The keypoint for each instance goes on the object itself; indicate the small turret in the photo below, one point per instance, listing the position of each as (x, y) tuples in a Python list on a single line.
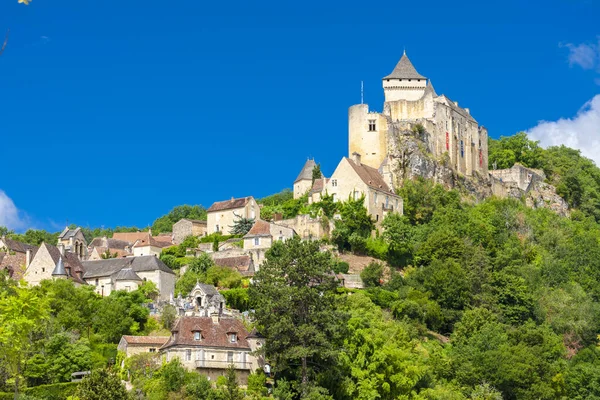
[(59, 270)]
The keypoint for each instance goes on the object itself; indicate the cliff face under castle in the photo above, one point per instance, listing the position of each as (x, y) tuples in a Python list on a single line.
[(410, 157)]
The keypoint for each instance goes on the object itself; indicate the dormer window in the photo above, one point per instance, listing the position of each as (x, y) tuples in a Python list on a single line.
[(197, 335), (232, 337)]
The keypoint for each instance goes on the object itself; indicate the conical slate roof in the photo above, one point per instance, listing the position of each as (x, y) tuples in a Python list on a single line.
[(404, 70), (127, 274), (306, 172), (59, 270)]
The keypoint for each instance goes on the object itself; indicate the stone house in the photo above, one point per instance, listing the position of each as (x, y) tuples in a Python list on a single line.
[(15, 257), (221, 216), (73, 241), (209, 345), (353, 179), (54, 262), (100, 245), (235, 259), (304, 181), (202, 301), (261, 237), (132, 345), (128, 273), (188, 227), (307, 227), (149, 245)]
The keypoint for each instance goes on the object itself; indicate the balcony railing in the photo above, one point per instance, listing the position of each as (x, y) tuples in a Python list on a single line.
[(203, 363)]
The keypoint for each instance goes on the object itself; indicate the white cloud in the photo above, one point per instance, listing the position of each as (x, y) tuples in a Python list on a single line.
[(585, 55), (10, 216), (581, 132)]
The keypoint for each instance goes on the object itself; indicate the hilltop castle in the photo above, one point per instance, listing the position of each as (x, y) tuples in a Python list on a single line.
[(411, 103)]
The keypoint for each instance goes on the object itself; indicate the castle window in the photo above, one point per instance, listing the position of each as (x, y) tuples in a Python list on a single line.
[(409, 80), (256, 241), (375, 197), (334, 183), (188, 355), (230, 357), (372, 125), (462, 149), (152, 350)]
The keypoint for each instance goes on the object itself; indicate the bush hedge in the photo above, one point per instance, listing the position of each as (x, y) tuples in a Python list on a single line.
[(57, 391)]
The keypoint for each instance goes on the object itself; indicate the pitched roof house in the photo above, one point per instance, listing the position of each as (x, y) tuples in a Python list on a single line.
[(222, 215), (132, 345), (261, 237), (210, 344), (353, 179), (151, 245), (101, 245), (15, 256), (54, 262), (188, 227), (128, 273)]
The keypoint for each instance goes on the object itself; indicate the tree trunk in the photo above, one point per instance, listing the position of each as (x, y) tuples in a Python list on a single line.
[(304, 374)]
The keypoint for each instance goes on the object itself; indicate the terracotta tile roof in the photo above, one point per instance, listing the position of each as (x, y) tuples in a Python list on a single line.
[(240, 263), (370, 176), (318, 185), (157, 241), (70, 260), (260, 228), (130, 237), (229, 204), (213, 334), (149, 340)]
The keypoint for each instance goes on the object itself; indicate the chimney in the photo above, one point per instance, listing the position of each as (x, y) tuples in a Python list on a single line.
[(356, 158), (27, 258), (468, 111), (215, 317), (61, 248)]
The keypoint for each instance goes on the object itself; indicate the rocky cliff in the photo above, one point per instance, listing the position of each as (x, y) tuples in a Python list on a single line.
[(409, 157)]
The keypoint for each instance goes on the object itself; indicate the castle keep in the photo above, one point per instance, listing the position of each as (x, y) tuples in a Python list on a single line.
[(411, 103)]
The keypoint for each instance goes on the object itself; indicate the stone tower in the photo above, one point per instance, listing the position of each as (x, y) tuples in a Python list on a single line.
[(411, 103)]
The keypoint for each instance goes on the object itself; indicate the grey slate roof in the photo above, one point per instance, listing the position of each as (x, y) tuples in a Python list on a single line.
[(100, 268), (208, 289), (109, 243), (68, 233), (306, 172), (404, 70), (59, 270), (19, 247), (127, 274)]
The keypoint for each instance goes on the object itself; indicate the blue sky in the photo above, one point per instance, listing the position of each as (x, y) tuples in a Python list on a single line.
[(112, 112)]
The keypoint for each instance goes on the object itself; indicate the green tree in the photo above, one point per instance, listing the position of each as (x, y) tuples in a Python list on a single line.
[(293, 295), (231, 389), (241, 225), (165, 223), (168, 316), (101, 385), (22, 314), (316, 173), (354, 227), (517, 148), (372, 274)]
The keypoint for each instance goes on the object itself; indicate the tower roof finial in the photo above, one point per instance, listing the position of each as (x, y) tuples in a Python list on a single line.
[(404, 52)]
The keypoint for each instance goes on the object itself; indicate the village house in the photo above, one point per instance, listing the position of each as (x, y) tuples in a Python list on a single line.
[(54, 262), (100, 246), (353, 179), (150, 245), (261, 237), (128, 274), (221, 216), (132, 345), (236, 259), (209, 345), (188, 227), (15, 257), (202, 301), (73, 241)]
